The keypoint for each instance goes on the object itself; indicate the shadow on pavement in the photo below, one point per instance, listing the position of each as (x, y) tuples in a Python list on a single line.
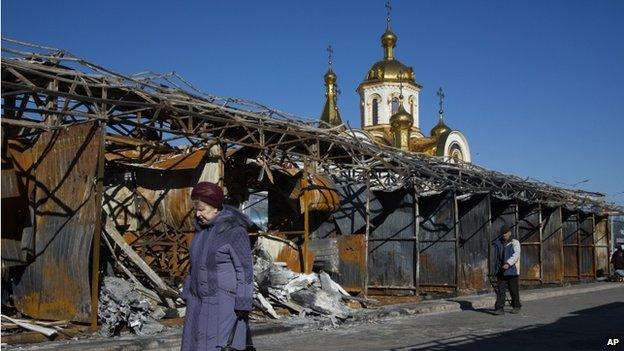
[(587, 329)]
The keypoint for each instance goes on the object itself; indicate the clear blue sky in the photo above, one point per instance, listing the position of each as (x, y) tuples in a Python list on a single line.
[(536, 86)]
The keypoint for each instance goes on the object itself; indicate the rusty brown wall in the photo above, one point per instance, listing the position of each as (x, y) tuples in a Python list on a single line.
[(570, 245), (529, 235), (474, 234), (352, 262), (56, 284), (437, 241), (552, 245), (601, 244)]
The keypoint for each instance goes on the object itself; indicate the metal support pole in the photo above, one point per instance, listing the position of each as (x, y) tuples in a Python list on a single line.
[(97, 232), (367, 234), (307, 268), (456, 231), (578, 244), (417, 243), (541, 243)]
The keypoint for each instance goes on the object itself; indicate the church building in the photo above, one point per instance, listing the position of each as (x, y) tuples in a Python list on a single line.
[(389, 108)]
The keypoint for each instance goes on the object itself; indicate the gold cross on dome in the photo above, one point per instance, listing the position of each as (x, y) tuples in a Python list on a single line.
[(388, 10), (330, 52), (441, 95)]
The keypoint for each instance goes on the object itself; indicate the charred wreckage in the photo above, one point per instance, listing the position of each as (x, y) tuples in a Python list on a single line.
[(97, 168)]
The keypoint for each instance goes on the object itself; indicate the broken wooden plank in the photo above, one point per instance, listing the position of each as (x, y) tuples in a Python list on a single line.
[(32, 327), (136, 259)]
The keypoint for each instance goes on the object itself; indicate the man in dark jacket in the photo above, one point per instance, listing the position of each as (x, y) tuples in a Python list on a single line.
[(507, 256), (617, 260)]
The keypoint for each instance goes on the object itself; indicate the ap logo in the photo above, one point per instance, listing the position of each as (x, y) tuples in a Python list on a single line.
[(613, 342)]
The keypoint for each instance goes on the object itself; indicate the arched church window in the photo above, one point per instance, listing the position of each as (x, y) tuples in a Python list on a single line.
[(375, 111), (456, 154), (395, 105), (412, 103)]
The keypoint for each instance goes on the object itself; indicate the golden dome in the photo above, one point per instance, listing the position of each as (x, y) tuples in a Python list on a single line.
[(440, 128), (390, 69), (401, 119), (388, 39), (330, 77)]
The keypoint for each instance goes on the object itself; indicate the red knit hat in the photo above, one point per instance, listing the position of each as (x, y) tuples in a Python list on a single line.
[(209, 193)]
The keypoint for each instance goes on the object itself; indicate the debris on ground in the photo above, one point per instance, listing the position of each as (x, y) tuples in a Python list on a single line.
[(123, 305), (303, 294)]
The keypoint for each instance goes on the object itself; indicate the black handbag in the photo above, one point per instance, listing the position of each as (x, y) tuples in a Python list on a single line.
[(249, 343)]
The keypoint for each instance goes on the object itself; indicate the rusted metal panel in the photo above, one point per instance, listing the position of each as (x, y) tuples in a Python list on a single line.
[(56, 284), (552, 245), (153, 210), (16, 220), (474, 233), (570, 245), (391, 246), (10, 187), (529, 233), (351, 216), (437, 241), (601, 245), (586, 245), (502, 212), (352, 264)]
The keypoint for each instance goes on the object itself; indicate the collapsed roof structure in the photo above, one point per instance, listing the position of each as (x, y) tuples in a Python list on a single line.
[(71, 129)]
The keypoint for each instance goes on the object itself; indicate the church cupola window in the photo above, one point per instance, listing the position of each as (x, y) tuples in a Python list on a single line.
[(375, 111), (395, 105)]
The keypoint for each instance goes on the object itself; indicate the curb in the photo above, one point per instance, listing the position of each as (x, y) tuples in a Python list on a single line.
[(473, 302)]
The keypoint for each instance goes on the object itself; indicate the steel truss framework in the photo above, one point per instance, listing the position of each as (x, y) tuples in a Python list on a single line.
[(45, 88)]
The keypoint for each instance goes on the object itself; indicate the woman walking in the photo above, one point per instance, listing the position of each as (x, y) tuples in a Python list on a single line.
[(218, 290)]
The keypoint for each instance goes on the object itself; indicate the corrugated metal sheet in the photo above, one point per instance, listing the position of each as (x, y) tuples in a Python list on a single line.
[(56, 284), (474, 239), (351, 216), (392, 242), (570, 245), (601, 245), (352, 264), (552, 245), (529, 233), (586, 248), (437, 241), (17, 219)]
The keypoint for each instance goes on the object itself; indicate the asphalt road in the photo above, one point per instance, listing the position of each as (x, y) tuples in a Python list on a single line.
[(575, 322)]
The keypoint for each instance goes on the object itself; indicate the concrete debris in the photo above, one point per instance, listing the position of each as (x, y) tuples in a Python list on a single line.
[(331, 286), (303, 294), (322, 302), (123, 305)]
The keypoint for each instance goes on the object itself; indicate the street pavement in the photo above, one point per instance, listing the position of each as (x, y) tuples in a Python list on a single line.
[(576, 322), (577, 317)]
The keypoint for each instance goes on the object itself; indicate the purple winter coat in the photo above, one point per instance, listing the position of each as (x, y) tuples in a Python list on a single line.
[(220, 281)]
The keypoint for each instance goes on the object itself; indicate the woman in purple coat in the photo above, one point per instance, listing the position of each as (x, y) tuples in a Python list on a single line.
[(219, 287)]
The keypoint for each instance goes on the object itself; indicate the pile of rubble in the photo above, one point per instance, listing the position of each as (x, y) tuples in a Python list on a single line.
[(305, 294), (123, 304)]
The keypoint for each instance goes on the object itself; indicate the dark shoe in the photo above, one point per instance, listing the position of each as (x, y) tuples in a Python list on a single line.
[(516, 310), (499, 312)]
